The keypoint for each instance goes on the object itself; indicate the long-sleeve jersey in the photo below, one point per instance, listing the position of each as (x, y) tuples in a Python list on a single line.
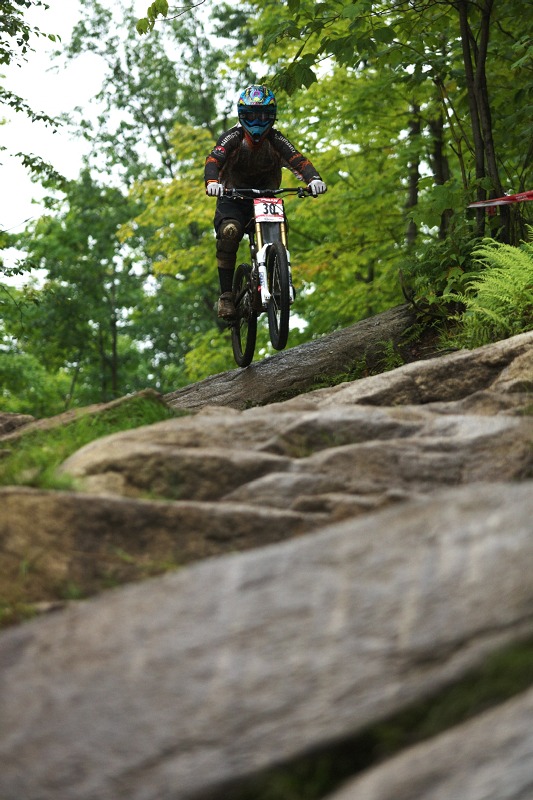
[(240, 164)]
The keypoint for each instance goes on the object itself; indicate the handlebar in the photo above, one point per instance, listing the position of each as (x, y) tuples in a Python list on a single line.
[(244, 194)]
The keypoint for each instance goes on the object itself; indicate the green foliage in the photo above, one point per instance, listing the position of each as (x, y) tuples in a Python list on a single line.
[(182, 254), (209, 354), (140, 99), (27, 387), (418, 52), (434, 200), (104, 325), (18, 104), (168, 78), (16, 33), (435, 269), (498, 300), (118, 312), (81, 325), (155, 10), (40, 169), (34, 457)]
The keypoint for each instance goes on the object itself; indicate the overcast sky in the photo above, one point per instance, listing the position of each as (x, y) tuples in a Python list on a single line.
[(46, 89)]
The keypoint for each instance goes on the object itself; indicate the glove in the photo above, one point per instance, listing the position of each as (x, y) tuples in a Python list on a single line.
[(214, 189), (317, 187)]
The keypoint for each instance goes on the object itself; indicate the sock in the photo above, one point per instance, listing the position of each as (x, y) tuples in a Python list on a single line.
[(225, 277)]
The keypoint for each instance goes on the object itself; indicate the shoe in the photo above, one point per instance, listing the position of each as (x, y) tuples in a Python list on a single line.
[(226, 307)]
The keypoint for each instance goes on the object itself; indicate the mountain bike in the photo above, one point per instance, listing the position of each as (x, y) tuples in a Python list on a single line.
[(266, 283)]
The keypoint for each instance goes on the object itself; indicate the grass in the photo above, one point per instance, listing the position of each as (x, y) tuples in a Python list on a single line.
[(32, 458)]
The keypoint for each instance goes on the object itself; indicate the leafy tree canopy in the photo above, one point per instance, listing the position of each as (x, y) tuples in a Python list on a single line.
[(408, 111)]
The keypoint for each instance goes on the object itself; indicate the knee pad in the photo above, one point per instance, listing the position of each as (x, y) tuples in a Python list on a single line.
[(229, 235)]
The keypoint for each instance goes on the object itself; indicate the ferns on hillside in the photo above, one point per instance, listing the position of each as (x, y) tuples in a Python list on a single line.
[(498, 300)]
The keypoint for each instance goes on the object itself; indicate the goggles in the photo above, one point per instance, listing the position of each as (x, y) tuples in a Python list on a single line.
[(258, 115)]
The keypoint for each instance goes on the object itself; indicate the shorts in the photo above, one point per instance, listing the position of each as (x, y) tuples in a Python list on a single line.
[(232, 208)]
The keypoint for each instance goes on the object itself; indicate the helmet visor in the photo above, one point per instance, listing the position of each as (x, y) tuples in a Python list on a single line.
[(257, 114)]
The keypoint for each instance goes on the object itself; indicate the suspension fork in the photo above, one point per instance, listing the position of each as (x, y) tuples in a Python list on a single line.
[(261, 252)]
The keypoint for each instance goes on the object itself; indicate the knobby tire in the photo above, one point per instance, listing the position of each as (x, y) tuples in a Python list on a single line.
[(279, 287), (244, 328)]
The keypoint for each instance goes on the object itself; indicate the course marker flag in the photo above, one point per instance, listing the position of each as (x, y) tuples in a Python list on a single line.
[(503, 201)]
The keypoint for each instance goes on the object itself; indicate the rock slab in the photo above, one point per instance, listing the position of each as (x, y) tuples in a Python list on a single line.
[(489, 758), (168, 689), (401, 507)]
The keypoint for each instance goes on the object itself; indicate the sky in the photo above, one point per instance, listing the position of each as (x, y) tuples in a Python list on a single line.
[(45, 88), (48, 91)]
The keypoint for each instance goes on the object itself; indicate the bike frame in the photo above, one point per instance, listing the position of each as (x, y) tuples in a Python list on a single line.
[(266, 283), (270, 225)]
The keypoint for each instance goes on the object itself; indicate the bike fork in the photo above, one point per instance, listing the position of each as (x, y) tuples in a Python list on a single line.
[(261, 257), (292, 293), (263, 279)]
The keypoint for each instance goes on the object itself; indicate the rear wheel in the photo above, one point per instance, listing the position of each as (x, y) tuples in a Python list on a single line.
[(279, 286), (244, 327)]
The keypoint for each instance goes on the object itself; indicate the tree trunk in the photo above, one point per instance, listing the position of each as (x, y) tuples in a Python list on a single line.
[(303, 368), (413, 171), (475, 59), (113, 324), (467, 42), (114, 357), (73, 382), (103, 366), (440, 166)]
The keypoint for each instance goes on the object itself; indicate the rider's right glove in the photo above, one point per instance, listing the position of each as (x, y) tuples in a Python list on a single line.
[(317, 187), (214, 189)]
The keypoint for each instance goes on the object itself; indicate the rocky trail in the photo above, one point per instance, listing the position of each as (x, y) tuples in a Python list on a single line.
[(342, 553)]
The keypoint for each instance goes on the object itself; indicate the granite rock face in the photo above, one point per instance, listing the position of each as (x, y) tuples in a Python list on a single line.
[(489, 757), (355, 447), (389, 529)]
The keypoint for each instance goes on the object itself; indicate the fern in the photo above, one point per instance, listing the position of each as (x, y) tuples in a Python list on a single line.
[(498, 300)]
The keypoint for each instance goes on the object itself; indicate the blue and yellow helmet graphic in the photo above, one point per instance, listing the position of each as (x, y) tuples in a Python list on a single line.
[(256, 108)]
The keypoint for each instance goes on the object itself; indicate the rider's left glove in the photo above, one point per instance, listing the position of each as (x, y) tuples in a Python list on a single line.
[(214, 189), (317, 187)]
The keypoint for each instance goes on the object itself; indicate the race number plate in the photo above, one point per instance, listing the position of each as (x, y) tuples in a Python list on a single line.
[(269, 209)]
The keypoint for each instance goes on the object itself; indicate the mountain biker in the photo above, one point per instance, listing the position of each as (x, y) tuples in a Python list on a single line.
[(248, 156)]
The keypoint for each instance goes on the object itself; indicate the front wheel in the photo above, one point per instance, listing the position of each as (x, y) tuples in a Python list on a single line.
[(244, 327), (279, 286)]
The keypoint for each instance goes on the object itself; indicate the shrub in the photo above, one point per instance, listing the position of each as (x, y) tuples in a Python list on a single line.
[(498, 300)]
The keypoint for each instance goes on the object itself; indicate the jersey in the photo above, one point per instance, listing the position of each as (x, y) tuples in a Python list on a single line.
[(238, 163)]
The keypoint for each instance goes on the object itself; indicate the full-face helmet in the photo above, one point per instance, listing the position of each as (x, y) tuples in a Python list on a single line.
[(256, 108)]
